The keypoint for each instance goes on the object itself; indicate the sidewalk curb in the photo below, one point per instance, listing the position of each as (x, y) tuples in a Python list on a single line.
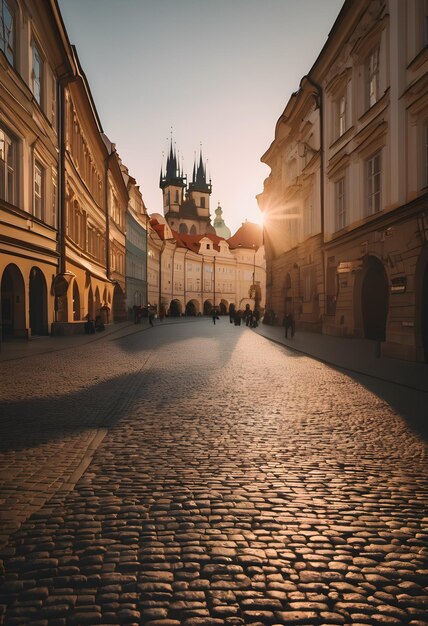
[(341, 367)]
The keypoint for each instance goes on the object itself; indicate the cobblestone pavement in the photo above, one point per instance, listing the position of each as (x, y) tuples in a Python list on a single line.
[(232, 482)]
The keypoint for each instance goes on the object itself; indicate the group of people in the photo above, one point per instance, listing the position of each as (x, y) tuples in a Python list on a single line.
[(94, 325), (249, 317), (146, 312)]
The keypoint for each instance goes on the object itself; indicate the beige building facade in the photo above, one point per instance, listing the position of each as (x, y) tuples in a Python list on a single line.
[(193, 274), (35, 60), (371, 260)]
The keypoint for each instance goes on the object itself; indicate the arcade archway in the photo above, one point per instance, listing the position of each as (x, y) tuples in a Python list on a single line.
[(38, 303), (13, 303), (374, 300), (192, 308)]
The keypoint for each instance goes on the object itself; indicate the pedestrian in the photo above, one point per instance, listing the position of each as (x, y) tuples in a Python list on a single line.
[(289, 325), (256, 318), (151, 316), (215, 316)]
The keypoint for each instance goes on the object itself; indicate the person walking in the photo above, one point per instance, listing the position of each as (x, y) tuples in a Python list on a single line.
[(151, 316), (289, 325), (215, 316)]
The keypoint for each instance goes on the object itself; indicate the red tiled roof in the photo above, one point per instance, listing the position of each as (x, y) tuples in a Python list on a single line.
[(249, 235)]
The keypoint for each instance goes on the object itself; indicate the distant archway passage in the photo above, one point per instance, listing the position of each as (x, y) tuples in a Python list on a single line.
[(175, 308), (223, 308), (76, 302), (119, 304), (91, 312), (207, 307), (424, 313), (13, 303), (374, 296), (38, 303), (192, 308)]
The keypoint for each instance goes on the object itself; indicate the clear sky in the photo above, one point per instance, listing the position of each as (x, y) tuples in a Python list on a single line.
[(219, 72)]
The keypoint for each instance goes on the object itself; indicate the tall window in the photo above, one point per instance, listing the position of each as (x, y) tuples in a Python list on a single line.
[(202, 202), (37, 73), (373, 182), (372, 73), (39, 183), (308, 216), (8, 167), (340, 204), (341, 112), (7, 31), (54, 201)]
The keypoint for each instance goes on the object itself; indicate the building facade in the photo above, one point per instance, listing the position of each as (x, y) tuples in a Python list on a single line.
[(194, 274), (35, 61), (371, 87)]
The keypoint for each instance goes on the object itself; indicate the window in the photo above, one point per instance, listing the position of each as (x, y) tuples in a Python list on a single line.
[(38, 200), (54, 202), (341, 112), (8, 167), (37, 74), (340, 204), (53, 101), (308, 216), (373, 178), (309, 282), (7, 31), (202, 203), (372, 72)]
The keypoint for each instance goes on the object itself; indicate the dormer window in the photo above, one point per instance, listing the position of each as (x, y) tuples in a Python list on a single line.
[(208, 246)]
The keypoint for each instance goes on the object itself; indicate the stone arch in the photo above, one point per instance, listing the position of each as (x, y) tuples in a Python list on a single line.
[(208, 305), (175, 308), (373, 299), (193, 230), (119, 304), (192, 308), (13, 302), (76, 301), (223, 307), (91, 304), (38, 302), (183, 230), (97, 305)]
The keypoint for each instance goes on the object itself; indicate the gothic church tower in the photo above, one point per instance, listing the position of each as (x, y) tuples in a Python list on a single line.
[(186, 208)]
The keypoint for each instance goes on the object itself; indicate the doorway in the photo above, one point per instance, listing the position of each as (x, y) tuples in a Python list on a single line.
[(374, 300)]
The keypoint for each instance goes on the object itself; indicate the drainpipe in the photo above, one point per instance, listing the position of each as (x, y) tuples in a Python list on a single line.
[(62, 213), (172, 274), (319, 101), (202, 285), (106, 207)]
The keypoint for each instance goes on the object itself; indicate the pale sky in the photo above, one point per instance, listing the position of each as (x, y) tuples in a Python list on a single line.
[(219, 72)]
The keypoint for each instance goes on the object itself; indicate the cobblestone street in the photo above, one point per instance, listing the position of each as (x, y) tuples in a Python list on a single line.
[(200, 475)]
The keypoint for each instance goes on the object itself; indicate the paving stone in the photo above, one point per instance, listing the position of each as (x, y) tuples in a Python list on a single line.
[(214, 495)]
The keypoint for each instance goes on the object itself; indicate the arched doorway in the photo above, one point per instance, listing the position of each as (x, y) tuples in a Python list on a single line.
[(13, 303), (97, 304), (175, 308), (91, 312), (76, 302), (374, 300), (424, 314), (207, 307), (38, 303), (119, 304), (183, 229), (223, 307), (192, 308), (193, 230)]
